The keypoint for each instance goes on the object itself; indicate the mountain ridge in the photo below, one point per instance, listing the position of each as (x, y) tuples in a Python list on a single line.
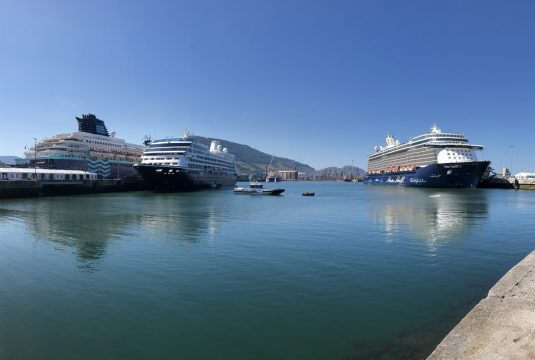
[(340, 171), (9, 160), (252, 161)]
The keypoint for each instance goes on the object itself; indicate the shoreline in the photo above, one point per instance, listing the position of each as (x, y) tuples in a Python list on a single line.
[(500, 326)]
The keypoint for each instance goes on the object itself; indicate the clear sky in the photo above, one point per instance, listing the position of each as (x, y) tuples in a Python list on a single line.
[(321, 82)]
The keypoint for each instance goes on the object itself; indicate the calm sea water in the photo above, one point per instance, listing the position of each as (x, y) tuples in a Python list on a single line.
[(354, 272)]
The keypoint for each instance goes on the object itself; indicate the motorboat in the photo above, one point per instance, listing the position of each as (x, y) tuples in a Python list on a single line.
[(255, 184), (253, 191)]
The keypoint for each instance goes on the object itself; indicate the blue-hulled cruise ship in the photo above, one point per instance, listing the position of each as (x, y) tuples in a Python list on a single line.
[(92, 148), (434, 159)]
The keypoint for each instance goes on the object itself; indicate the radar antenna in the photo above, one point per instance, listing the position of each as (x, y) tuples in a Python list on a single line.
[(188, 133), (147, 139), (435, 129)]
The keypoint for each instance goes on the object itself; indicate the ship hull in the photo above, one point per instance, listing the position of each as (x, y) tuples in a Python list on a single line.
[(453, 175), (165, 178), (105, 169)]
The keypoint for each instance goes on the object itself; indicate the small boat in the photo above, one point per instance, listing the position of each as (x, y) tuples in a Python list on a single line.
[(308, 194), (254, 191), (254, 183)]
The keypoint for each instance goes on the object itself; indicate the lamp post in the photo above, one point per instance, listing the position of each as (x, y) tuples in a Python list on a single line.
[(511, 167), (35, 158)]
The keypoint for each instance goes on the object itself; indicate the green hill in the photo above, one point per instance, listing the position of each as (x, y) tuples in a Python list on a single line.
[(252, 161)]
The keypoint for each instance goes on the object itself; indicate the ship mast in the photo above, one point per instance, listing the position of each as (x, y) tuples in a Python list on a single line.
[(267, 169)]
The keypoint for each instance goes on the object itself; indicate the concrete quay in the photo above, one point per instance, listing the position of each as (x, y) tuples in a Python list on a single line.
[(502, 182), (501, 326), (33, 188)]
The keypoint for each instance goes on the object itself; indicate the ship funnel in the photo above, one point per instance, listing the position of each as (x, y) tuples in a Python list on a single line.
[(390, 140), (435, 129), (214, 145)]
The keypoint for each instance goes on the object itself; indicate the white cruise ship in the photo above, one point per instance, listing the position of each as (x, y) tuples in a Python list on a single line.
[(184, 164), (91, 149), (433, 159)]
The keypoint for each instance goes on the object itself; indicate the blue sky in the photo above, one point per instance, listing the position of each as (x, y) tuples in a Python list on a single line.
[(321, 82)]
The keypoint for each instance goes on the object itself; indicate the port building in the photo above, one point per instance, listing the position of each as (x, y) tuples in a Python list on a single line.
[(288, 175)]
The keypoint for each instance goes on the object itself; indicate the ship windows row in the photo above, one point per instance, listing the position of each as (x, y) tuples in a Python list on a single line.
[(41, 176), (161, 148), (102, 143), (204, 162), (212, 161), (166, 145), (193, 165)]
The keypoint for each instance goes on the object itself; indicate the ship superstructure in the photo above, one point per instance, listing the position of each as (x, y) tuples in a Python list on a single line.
[(91, 148), (183, 164), (433, 159)]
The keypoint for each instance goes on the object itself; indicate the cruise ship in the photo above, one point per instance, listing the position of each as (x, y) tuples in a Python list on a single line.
[(435, 159), (184, 164), (92, 148)]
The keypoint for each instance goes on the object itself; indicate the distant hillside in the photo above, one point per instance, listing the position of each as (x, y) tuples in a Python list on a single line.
[(336, 171), (10, 160), (252, 161)]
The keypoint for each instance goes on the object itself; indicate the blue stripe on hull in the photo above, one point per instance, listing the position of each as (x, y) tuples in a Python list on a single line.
[(459, 175)]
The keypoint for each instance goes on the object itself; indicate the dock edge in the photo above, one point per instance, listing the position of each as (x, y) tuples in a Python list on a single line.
[(502, 325)]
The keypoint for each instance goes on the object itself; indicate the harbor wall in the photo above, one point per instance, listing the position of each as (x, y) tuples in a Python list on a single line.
[(502, 325), (30, 188), (524, 185), (501, 182), (497, 182), (9, 189)]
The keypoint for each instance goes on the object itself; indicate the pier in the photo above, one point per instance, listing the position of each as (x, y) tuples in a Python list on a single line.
[(501, 326)]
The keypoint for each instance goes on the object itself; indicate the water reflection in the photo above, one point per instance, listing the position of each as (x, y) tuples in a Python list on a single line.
[(88, 224), (433, 215), (182, 217)]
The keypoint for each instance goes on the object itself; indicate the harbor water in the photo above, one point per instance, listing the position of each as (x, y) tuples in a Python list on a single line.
[(355, 272)]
